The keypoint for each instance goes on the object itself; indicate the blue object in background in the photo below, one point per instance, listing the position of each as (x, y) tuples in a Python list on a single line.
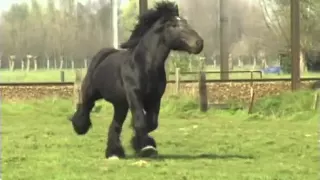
[(272, 70)]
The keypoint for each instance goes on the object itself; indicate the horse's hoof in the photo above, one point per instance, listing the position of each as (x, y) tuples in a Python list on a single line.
[(113, 158), (148, 151)]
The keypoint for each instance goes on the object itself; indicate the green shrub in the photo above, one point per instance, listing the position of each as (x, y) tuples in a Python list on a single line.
[(286, 104), (285, 62), (180, 106)]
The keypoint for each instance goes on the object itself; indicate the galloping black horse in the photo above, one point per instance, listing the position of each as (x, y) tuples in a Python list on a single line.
[(135, 77)]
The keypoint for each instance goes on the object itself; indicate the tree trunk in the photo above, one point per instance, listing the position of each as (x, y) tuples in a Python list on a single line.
[(22, 64), (302, 63), (48, 63), (35, 64), (55, 63), (61, 63), (254, 62), (230, 62), (240, 64), (28, 64), (190, 64), (12, 65), (264, 63), (11, 62), (86, 63)]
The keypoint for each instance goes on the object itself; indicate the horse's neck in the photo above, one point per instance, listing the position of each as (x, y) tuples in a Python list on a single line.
[(151, 51)]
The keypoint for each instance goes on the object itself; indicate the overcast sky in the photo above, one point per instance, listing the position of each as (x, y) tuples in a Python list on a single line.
[(5, 4)]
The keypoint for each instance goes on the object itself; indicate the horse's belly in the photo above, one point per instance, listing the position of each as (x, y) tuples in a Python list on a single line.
[(113, 93), (108, 83)]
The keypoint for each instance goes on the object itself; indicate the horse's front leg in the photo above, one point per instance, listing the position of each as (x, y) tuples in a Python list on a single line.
[(141, 142), (152, 114), (152, 108)]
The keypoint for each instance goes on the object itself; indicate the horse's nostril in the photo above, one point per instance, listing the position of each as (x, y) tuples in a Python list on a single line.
[(199, 42)]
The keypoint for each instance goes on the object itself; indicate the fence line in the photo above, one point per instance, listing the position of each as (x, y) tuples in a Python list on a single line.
[(171, 81), (218, 72)]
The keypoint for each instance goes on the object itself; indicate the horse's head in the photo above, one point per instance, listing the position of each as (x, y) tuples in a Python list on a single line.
[(164, 19), (180, 36)]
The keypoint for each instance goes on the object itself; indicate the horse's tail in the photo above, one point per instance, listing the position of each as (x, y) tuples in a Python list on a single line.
[(81, 118)]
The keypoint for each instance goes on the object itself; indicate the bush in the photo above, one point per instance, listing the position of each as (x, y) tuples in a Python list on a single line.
[(285, 62), (184, 62), (180, 106), (286, 104)]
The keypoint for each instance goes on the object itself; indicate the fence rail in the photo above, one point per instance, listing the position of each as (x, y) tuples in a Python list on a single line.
[(218, 72), (36, 83), (245, 80), (171, 81)]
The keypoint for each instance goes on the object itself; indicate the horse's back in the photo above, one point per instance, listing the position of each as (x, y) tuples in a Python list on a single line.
[(107, 76), (99, 57)]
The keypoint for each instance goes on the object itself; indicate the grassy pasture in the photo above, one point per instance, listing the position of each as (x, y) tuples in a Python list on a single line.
[(54, 75), (279, 141)]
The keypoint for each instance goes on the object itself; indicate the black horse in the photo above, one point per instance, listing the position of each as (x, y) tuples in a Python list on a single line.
[(135, 77)]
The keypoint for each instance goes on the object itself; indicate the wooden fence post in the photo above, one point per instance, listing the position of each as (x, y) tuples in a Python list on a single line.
[(203, 92), (177, 80), (252, 94), (316, 105), (62, 76), (77, 89)]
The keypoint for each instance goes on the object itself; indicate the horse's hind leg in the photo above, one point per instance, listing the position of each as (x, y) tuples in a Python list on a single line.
[(81, 118), (114, 147)]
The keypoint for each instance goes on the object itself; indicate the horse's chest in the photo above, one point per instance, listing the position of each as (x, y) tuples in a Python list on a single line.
[(155, 87)]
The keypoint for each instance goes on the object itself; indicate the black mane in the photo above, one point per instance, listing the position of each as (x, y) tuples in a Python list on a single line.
[(164, 9)]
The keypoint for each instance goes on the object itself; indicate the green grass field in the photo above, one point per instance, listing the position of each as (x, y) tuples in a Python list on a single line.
[(54, 76), (278, 142)]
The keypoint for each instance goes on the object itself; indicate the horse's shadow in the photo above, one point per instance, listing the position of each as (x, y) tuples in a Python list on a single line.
[(195, 157)]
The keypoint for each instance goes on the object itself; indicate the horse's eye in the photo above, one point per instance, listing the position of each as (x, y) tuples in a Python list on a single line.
[(174, 24)]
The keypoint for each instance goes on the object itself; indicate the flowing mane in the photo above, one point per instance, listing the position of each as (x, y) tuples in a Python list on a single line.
[(145, 21)]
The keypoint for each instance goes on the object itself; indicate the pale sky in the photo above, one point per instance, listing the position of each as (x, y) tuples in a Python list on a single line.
[(5, 4)]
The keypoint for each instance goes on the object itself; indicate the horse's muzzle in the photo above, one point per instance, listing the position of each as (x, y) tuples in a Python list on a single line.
[(196, 46)]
